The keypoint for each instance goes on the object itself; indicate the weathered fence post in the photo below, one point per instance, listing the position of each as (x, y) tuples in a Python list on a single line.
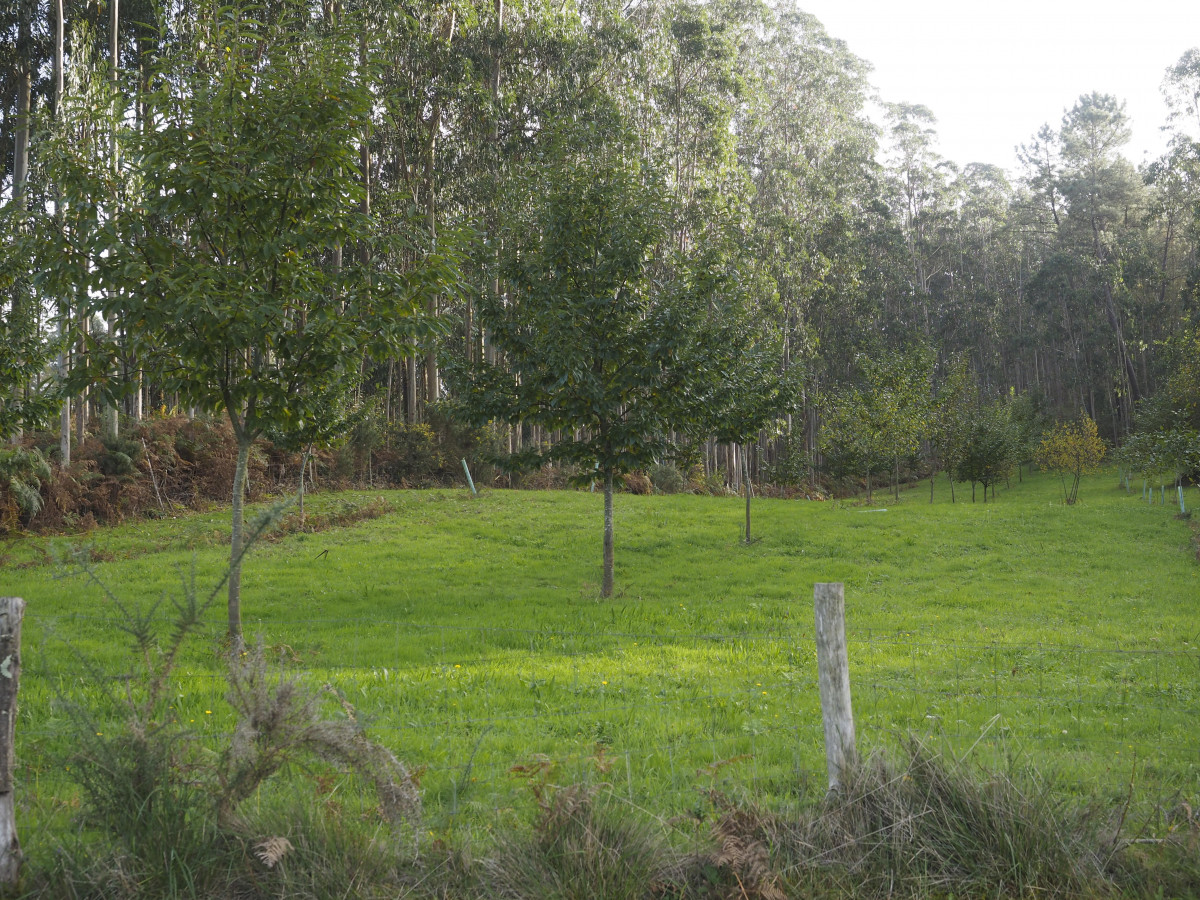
[(11, 610), (833, 678)]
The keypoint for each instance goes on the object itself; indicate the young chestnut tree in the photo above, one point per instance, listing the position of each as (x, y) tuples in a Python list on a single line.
[(751, 391), (595, 328), (227, 270)]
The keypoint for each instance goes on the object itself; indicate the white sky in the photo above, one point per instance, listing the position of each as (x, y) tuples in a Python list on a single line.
[(994, 71)]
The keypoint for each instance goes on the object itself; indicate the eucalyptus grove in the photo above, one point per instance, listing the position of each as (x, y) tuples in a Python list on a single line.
[(1069, 281)]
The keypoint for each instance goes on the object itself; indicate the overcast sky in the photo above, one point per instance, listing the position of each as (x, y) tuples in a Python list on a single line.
[(994, 71)]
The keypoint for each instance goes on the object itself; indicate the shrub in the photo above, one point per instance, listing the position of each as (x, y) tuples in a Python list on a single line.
[(667, 479), (21, 475), (413, 456), (550, 477), (165, 804), (792, 466), (1072, 448), (120, 456), (713, 485), (637, 483)]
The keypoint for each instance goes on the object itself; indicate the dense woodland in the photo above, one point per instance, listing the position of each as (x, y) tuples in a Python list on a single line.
[(607, 236)]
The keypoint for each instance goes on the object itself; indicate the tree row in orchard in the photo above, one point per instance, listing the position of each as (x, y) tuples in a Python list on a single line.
[(614, 235)]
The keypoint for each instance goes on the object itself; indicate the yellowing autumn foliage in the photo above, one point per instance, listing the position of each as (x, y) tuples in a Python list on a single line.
[(1072, 448)]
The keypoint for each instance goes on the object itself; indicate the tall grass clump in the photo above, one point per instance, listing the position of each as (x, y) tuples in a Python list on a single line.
[(582, 846), (163, 805), (932, 825), (927, 825)]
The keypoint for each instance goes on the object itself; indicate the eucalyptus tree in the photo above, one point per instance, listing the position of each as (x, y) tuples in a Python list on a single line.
[(978, 281), (809, 147), (1181, 90), (701, 83), (919, 179), (1102, 191)]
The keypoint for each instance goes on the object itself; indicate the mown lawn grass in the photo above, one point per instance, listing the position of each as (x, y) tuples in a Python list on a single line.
[(469, 634)]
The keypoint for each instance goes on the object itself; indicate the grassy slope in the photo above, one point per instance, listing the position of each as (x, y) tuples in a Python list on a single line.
[(470, 633)]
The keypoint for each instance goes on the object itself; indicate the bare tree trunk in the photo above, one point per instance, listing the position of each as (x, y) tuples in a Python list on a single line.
[(11, 611), (81, 405), (746, 466), (64, 361), (606, 587), (108, 411), (410, 388), (81, 324), (21, 149), (235, 544), (24, 95), (432, 390), (303, 466), (388, 407)]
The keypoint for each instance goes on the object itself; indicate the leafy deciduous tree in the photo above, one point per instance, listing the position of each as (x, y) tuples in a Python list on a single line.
[(1074, 449), (593, 346), (224, 271)]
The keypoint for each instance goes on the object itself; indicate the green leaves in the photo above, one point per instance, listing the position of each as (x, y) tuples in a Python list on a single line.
[(594, 344), (226, 267)]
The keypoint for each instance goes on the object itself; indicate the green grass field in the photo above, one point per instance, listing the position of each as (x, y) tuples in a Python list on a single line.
[(469, 634)]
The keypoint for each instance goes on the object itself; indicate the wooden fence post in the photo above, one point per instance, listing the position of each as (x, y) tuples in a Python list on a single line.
[(11, 610), (833, 678)]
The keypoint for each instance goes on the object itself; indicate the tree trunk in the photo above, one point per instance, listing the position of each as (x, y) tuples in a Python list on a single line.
[(81, 405), (64, 439), (300, 493), (235, 545), (432, 387), (435, 126), (11, 611), (64, 419), (606, 588), (410, 388), (24, 96), (21, 148), (108, 411), (746, 468), (59, 30)]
